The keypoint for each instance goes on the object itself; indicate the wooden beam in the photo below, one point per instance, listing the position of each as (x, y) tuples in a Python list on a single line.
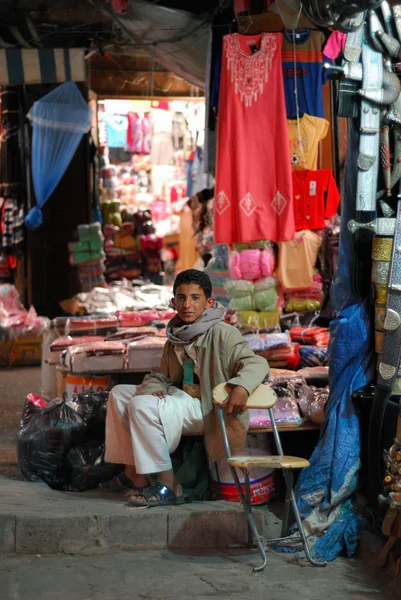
[(144, 85)]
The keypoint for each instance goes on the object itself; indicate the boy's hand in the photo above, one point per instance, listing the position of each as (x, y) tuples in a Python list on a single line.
[(236, 401), (160, 395)]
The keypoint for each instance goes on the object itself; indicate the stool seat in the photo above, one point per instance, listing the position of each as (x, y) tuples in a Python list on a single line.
[(263, 397), (271, 462)]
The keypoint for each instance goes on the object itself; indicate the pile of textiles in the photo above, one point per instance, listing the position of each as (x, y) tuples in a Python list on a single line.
[(115, 349), (120, 297), (138, 349), (281, 352), (305, 299), (15, 320), (95, 357), (218, 276), (310, 336), (98, 326), (261, 295), (62, 343), (276, 348), (131, 333), (91, 274), (253, 290), (144, 317), (89, 246), (145, 353), (87, 254), (123, 263), (297, 402)]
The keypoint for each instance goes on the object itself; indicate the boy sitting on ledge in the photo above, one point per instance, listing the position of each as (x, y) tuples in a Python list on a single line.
[(144, 424)]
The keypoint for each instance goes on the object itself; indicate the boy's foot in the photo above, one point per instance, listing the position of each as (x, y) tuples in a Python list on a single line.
[(158, 494), (122, 482)]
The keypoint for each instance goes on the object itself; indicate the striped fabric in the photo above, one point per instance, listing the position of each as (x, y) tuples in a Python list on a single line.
[(20, 66)]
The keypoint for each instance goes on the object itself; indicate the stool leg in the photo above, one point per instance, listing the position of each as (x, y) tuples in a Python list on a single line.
[(315, 563), (253, 533), (247, 505), (287, 506), (276, 434)]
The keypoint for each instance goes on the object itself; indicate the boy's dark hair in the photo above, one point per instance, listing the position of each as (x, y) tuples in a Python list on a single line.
[(194, 276)]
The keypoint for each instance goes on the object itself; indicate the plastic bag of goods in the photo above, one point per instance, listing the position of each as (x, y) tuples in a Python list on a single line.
[(47, 434), (262, 480), (87, 467)]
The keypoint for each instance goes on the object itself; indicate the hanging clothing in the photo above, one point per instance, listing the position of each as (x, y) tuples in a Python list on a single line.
[(116, 130), (11, 225), (309, 72), (179, 129), (188, 250), (316, 198), (138, 133), (253, 198), (297, 259), (335, 44), (304, 140)]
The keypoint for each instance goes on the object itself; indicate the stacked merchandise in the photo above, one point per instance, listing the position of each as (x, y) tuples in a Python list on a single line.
[(252, 289), (21, 331), (131, 341), (139, 296), (217, 269), (297, 349), (123, 253), (88, 256), (298, 402)]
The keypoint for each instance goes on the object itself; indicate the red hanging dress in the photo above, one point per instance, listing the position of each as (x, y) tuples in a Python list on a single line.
[(253, 192)]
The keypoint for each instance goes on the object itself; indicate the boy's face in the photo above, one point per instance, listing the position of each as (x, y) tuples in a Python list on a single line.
[(190, 302)]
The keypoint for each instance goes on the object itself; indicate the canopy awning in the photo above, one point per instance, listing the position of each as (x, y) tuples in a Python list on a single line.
[(21, 66)]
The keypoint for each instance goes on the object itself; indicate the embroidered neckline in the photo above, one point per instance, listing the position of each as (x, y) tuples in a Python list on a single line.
[(250, 72), (252, 54)]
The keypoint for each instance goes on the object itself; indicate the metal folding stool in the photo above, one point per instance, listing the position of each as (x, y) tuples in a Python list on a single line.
[(265, 398)]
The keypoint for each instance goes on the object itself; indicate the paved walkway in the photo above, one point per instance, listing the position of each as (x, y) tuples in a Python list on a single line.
[(163, 575)]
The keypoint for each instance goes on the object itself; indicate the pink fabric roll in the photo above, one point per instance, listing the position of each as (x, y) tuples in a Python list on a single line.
[(234, 265), (267, 262), (250, 265)]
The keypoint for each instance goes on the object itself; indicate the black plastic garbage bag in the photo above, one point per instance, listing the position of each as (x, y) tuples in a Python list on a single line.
[(88, 467), (48, 434), (92, 408)]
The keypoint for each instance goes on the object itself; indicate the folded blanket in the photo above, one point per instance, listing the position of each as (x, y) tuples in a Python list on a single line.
[(145, 354), (62, 343), (97, 357)]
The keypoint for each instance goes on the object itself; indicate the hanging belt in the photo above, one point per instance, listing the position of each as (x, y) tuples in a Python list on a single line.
[(368, 165), (390, 357)]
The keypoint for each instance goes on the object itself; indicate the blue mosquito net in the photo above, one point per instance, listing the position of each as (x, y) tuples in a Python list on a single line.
[(59, 121)]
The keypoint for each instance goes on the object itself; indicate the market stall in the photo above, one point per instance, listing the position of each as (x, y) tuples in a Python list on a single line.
[(151, 160)]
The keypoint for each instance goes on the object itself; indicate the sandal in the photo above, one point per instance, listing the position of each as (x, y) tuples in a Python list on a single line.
[(164, 497), (119, 483)]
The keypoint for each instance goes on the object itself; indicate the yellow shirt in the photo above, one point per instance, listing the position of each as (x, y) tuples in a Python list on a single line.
[(297, 259), (304, 144)]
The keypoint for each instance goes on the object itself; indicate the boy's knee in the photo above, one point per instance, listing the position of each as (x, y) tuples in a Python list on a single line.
[(116, 392), (138, 404)]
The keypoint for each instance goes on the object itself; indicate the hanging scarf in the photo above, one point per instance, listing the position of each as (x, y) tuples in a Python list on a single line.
[(181, 335)]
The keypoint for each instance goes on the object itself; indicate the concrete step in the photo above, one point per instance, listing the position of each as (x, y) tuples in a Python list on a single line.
[(37, 520)]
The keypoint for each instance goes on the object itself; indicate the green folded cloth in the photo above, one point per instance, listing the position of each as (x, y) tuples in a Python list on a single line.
[(251, 245), (96, 244), (245, 303)]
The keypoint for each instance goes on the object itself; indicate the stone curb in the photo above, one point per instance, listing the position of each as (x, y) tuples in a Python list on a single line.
[(37, 520), (140, 530)]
